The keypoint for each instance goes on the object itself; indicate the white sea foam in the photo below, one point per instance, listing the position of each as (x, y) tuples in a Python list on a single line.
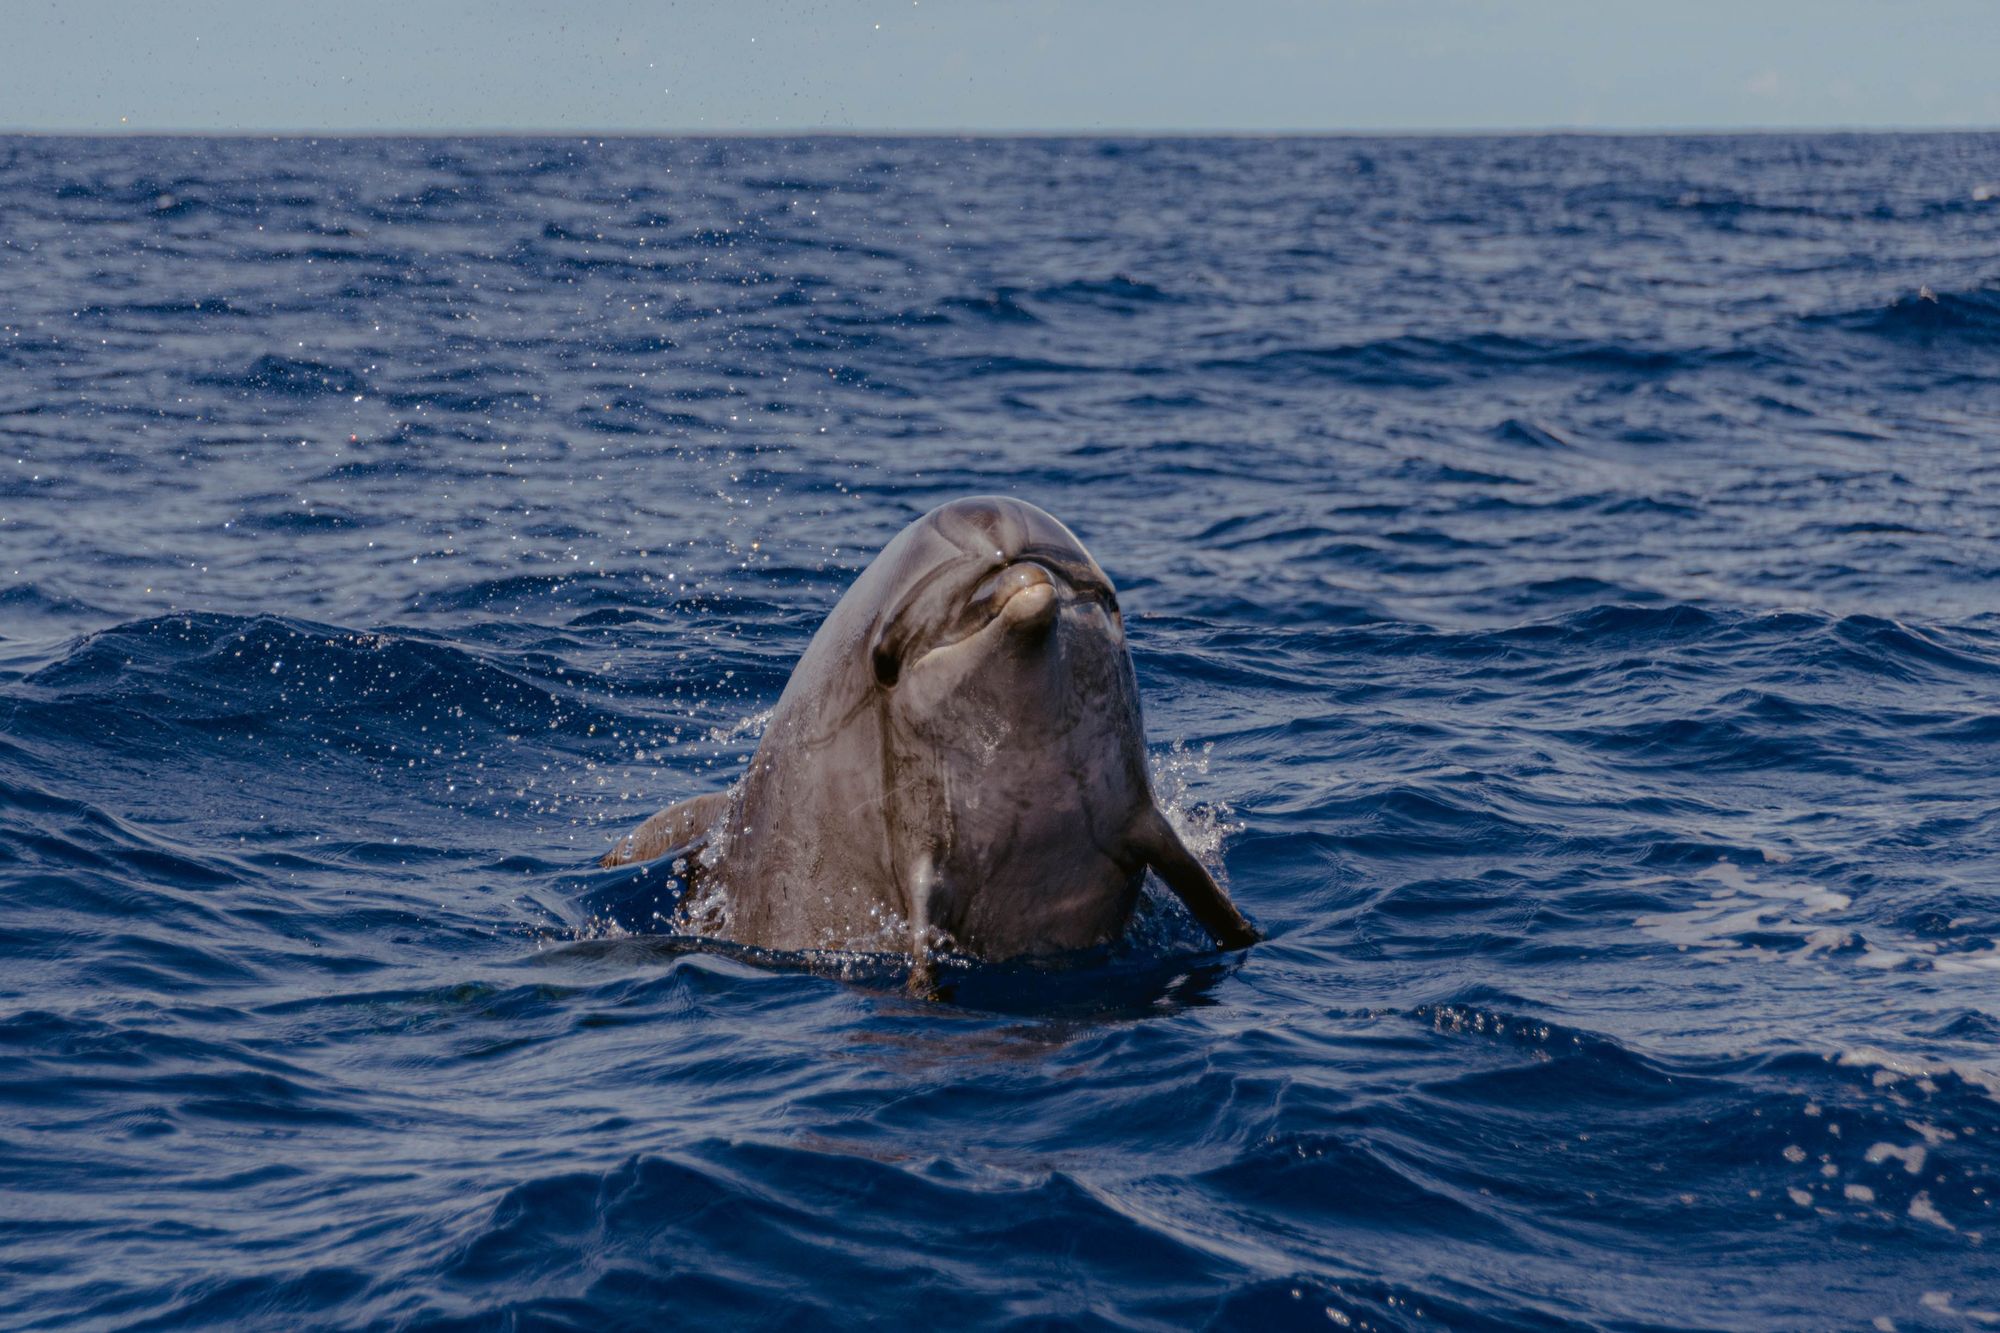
[(1745, 903), (1891, 1068), (1939, 1302)]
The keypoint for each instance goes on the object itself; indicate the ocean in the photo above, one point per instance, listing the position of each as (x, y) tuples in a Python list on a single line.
[(1563, 575)]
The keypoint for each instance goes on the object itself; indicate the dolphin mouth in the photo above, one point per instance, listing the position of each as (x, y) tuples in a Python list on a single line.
[(1031, 588), (1022, 580), (1021, 596)]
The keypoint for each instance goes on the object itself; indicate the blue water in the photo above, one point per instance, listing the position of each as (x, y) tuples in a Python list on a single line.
[(1562, 575)]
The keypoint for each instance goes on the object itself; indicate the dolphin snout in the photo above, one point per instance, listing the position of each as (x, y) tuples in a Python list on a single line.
[(1025, 594)]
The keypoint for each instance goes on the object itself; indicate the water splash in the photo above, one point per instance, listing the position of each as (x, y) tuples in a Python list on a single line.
[(1204, 822)]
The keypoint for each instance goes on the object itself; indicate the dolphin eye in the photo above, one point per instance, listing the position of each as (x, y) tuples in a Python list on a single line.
[(888, 663), (890, 645)]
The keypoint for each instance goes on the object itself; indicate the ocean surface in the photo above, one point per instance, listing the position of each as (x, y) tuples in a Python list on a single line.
[(1564, 580)]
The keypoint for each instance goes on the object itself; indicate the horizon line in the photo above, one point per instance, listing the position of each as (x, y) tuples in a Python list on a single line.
[(793, 132)]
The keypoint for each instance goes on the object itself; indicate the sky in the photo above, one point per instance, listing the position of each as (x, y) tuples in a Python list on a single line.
[(996, 65)]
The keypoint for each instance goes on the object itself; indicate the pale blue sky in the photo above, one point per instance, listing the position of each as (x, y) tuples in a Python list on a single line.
[(245, 65)]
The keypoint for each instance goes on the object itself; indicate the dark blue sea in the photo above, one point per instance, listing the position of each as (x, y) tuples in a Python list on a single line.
[(1563, 575)]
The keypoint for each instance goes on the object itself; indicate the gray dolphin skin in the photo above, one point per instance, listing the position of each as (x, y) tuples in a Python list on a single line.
[(958, 761)]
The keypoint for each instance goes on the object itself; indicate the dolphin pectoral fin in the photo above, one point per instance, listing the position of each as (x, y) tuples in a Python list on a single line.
[(1155, 840), (675, 826)]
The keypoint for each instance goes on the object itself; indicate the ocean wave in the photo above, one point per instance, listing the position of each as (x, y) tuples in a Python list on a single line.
[(289, 377), (209, 674), (1001, 307), (1927, 317), (1421, 361), (1117, 293), (22, 602), (653, 1218)]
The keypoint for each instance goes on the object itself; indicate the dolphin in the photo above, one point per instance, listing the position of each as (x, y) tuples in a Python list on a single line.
[(958, 762)]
